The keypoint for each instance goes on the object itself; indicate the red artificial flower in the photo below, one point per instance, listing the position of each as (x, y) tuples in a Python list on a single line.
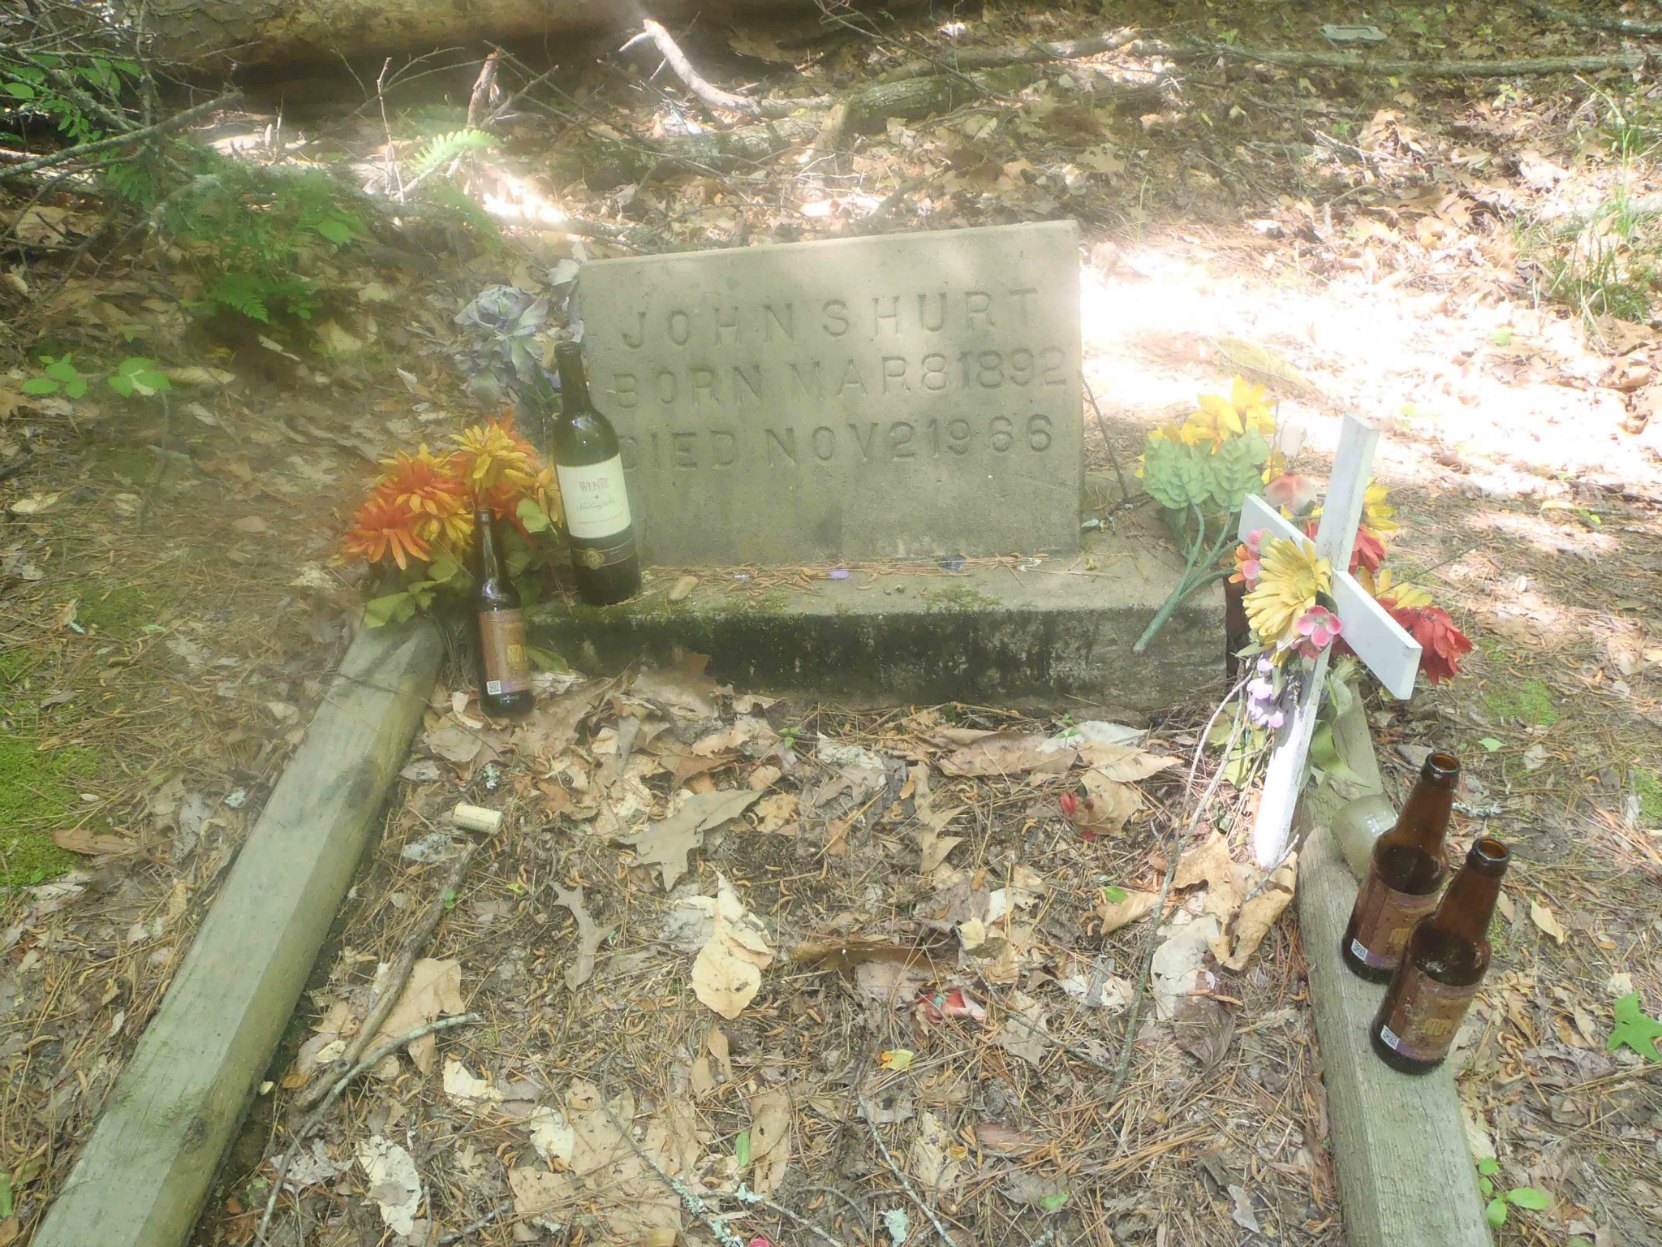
[(1443, 643), (1368, 552)]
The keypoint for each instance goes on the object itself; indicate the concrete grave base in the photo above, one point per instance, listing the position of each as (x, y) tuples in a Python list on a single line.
[(1059, 631)]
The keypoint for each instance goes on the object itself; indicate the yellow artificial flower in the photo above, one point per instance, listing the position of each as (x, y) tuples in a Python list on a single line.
[(493, 455), (1275, 465), (1290, 575), (1376, 512), (428, 485), (1381, 585), (1221, 418)]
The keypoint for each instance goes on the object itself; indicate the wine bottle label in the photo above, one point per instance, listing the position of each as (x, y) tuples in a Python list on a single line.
[(502, 642), (1385, 918), (1424, 1015), (596, 555), (595, 501)]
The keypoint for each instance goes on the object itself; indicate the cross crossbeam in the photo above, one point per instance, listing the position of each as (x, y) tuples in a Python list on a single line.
[(1381, 643)]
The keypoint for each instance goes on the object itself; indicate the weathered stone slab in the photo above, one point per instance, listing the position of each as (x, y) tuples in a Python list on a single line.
[(1058, 633), (858, 398)]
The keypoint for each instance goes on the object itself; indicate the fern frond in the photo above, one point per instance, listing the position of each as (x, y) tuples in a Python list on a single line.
[(443, 148)]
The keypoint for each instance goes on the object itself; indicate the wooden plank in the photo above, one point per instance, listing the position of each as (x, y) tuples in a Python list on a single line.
[(146, 1170), (1406, 1178)]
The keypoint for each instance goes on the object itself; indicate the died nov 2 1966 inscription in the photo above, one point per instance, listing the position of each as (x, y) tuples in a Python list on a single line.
[(907, 396)]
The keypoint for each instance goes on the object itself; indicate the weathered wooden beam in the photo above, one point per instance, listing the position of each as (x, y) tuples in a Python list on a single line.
[(1406, 1178), (146, 1169)]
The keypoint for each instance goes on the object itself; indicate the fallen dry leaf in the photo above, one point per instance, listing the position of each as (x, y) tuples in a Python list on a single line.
[(467, 1088), (551, 727), (727, 973), (1008, 753), (91, 844), (1123, 912), (683, 687), (931, 1156), (453, 742), (1177, 961), (770, 1139), (1107, 806), (1024, 1033), (1127, 763), (588, 937), (393, 1182), (434, 990), (1002, 1140), (1225, 879), (1544, 918), (1243, 934), (666, 844), (1203, 1027), (777, 812)]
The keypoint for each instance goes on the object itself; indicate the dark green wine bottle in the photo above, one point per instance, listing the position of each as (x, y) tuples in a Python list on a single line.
[(599, 527)]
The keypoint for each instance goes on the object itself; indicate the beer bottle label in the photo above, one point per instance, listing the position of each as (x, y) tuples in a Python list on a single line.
[(595, 502), (502, 642), (1385, 918), (1421, 1024)]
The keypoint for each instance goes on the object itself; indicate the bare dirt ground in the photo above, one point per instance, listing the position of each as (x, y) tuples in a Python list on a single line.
[(1470, 263)]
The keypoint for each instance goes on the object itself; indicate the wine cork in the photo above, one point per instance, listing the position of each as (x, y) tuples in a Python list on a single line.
[(476, 818)]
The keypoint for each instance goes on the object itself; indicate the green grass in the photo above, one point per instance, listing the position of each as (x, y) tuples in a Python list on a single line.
[(1530, 701), (37, 789), (116, 612), (1649, 788)]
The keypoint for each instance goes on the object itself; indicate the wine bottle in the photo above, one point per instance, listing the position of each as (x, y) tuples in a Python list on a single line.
[(504, 666), (1404, 874), (589, 467), (1445, 961)]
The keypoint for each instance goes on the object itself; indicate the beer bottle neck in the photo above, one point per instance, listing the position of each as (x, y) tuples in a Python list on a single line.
[(1425, 815), (1469, 904), (574, 386), (484, 542)]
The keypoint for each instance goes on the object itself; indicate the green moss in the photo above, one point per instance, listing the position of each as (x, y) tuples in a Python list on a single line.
[(117, 612), (134, 465), (1530, 701), (957, 598), (37, 791), (1649, 788)]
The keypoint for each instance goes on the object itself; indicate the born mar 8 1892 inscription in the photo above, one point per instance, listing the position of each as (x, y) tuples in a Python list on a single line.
[(910, 396)]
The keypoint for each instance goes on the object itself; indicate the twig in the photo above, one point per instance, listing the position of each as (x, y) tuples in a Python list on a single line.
[(1107, 445), (747, 1196), (473, 1227), (1030, 54), (690, 1199), (702, 87), (178, 120), (398, 976), (484, 88), (1619, 24), (1426, 69), (311, 1123), (1128, 1044), (888, 1159)]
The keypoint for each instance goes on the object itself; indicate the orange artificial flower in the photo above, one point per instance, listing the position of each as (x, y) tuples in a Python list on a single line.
[(430, 487), (382, 529)]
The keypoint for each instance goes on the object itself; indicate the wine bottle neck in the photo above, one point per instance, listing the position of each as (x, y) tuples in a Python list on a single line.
[(574, 386)]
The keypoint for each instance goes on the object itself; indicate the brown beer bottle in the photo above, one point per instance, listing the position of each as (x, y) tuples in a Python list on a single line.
[(589, 466), (1440, 972), (1404, 874), (504, 666)]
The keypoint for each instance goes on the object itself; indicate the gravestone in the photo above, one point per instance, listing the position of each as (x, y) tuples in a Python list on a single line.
[(863, 398)]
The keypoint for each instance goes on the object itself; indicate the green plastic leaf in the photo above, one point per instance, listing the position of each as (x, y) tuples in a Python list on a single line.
[(1172, 474), (392, 608), (533, 516), (741, 1148), (444, 568), (1529, 1197), (39, 385), (335, 230), (1114, 895), (1236, 470), (1634, 1029), (546, 660), (1495, 1213), (1054, 1201)]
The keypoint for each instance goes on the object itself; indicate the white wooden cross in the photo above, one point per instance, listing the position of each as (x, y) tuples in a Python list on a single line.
[(1379, 641)]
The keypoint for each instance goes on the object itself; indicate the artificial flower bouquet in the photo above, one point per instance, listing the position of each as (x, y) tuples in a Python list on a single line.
[(415, 529)]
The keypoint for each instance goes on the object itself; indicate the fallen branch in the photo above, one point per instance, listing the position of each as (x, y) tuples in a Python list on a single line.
[(1429, 69), (398, 977), (1128, 1044), (888, 1159), (1028, 54), (311, 1123), (113, 141), (702, 87), (1621, 25)]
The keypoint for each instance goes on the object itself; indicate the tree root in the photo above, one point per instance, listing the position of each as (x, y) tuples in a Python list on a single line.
[(1620, 25), (1427, 69)]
